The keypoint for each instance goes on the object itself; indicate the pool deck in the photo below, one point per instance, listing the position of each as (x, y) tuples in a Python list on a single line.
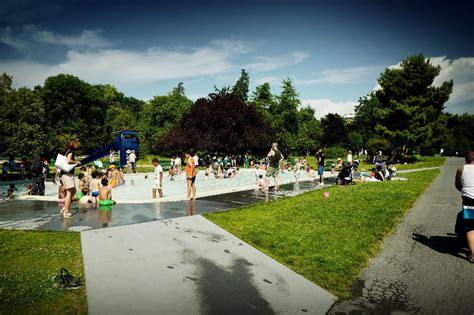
[(189, 265)]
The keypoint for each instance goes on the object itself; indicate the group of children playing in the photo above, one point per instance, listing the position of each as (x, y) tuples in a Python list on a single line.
[(95, 187)]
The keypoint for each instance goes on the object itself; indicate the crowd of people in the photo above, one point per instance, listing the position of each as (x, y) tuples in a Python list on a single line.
[(94, 186)]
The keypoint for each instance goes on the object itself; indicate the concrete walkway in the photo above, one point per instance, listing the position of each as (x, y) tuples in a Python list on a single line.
[(189, 266), (422, 268)]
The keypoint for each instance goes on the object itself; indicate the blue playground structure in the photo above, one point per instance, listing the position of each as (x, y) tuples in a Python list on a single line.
[(124, 140)]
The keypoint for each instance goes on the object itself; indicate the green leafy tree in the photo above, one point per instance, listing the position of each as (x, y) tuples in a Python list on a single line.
[(160, 114), (355, 141), (241, 87), (5, 91), (377, 144), (21, 121), (334, 131), (407, 107), (459, 135), (263, 100), (123, 113), (309, 132), (73, 106), (284, 116)]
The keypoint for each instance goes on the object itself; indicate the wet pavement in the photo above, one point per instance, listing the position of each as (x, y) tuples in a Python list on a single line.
[(44, 215)]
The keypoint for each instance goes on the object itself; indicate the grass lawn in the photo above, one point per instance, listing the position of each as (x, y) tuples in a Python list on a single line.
[(28, 262), (327, 240)]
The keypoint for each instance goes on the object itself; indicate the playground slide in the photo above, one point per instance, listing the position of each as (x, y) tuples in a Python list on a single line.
[(100, 153), (124, 140)]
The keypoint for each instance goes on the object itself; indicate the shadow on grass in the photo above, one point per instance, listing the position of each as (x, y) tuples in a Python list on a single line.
[(450, 244)]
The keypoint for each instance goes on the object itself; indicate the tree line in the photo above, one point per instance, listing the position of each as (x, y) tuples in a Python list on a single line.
[(406, 113)]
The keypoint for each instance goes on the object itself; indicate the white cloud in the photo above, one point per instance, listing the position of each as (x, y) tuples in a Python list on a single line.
[(342, 76), (461, 71), (233, 45), (269, 79), (90, 39), (326, 106), (272, 63), (124, 67), (8, 38), (121, 66), (33, 34)]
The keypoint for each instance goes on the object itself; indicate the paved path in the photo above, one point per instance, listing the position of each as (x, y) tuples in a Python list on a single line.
[(422, 268), (189, 266)]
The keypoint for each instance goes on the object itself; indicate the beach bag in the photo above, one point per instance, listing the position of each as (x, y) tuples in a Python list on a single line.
[(62, 164)]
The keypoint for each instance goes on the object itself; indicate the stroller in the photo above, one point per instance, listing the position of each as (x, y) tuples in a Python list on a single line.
[(346, 175)]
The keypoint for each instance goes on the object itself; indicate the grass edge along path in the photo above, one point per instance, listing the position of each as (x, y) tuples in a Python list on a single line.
[(327, 240), (28, 262)]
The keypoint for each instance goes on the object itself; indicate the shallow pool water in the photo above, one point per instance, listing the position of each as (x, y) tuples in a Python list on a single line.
[(138, 187), (44, 215)]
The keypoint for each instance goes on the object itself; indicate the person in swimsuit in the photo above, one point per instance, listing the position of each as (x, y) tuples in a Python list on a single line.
[(105, 194), (190, 176)]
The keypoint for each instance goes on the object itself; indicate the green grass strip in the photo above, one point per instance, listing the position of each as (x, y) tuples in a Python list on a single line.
[(327, 240), (28, 262)]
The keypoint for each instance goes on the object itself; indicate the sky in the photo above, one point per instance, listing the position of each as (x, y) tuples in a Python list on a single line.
[(333, 51)]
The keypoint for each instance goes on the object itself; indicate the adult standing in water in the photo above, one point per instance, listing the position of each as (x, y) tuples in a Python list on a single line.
[(190, 176), (465, 184), (275, 157), (196, 164), (67, 178), (320, 160), (37, 176), (133, 158)]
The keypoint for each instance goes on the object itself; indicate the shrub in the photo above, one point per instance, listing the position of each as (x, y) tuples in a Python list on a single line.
[(335, 152)]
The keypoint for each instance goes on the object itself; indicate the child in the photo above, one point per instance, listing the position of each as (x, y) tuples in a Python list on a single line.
[(28, 187), (84, 172), (121, 176), (296, 170), (113, 176), (95, 184), (61, 194), (171, 173), (89, 170), (10, 192), (86, 198), (261, 181), (158, 178), (83, 183), (105, 194)]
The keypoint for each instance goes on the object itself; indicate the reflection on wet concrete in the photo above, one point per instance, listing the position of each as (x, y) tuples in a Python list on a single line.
[(44, 215)]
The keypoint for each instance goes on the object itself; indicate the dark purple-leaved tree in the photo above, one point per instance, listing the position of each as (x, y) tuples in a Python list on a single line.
[(219, 123)]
